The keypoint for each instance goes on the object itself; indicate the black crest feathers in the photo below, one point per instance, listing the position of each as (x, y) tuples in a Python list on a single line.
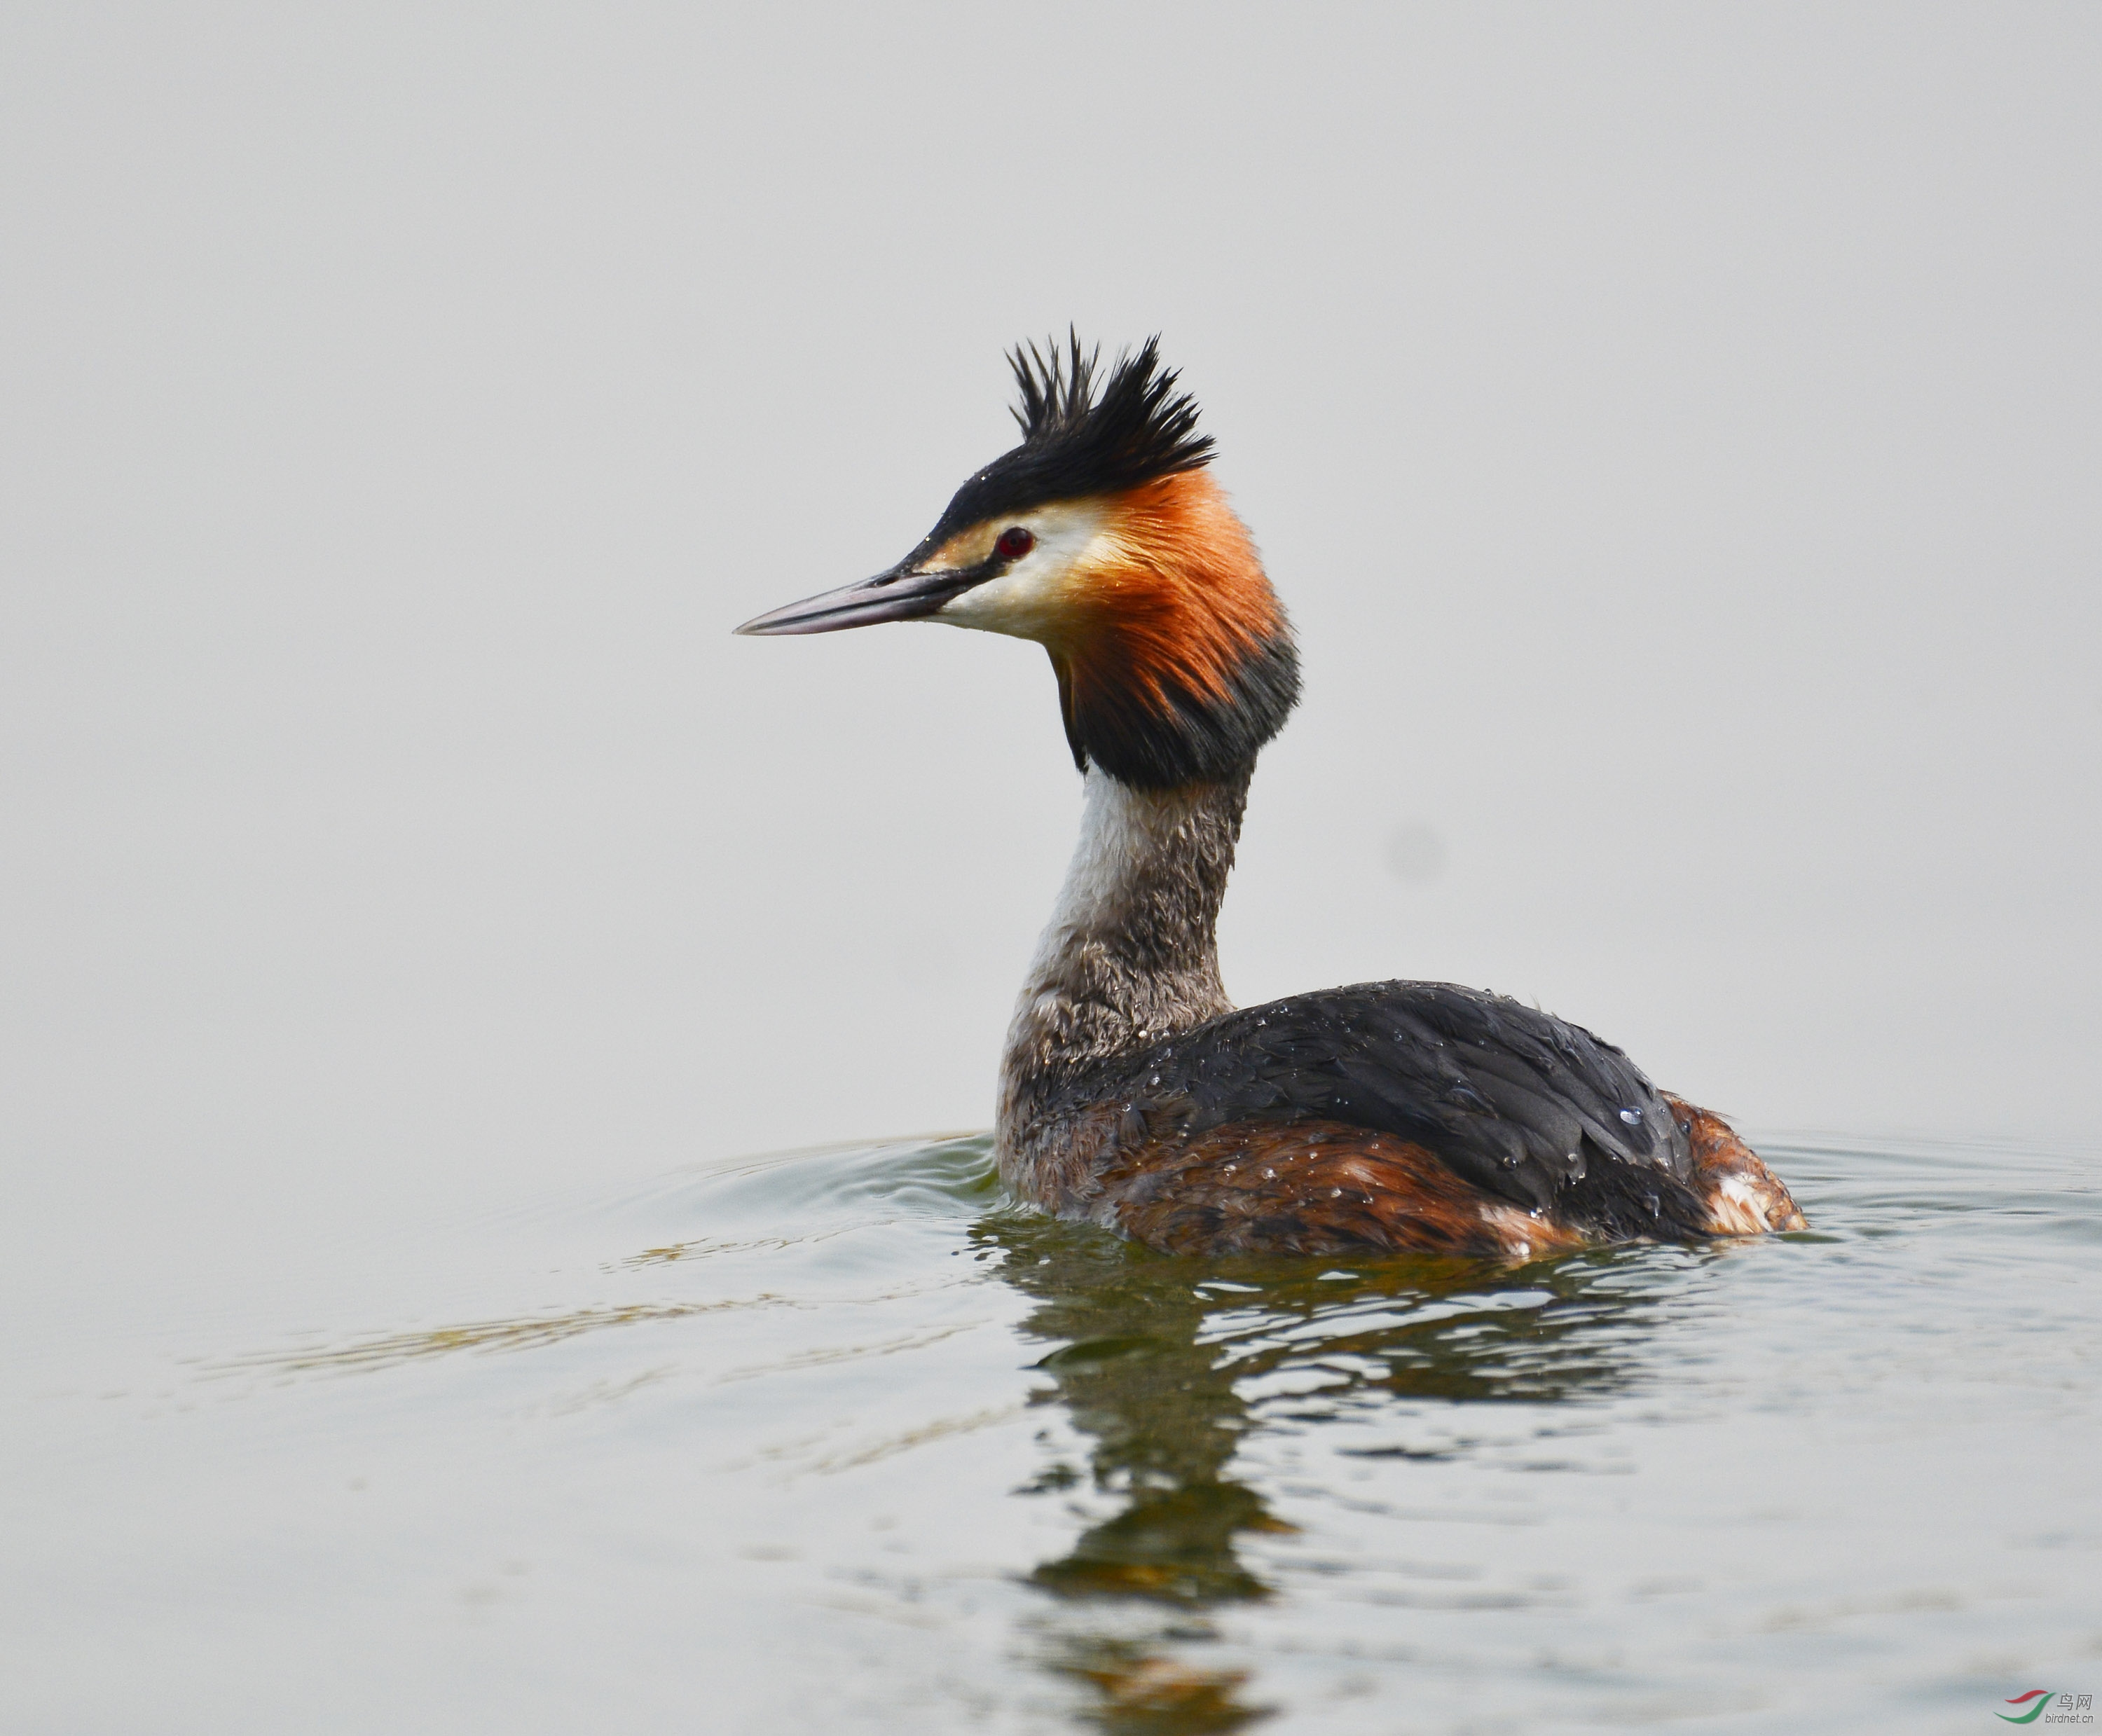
[(1140, 428), (1076, 441)]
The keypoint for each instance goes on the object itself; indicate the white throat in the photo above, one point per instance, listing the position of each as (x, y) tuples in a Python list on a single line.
[(1122, 831), (1130, 954)]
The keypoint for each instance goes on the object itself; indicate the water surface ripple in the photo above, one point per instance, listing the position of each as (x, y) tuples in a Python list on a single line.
[(845, 1439)]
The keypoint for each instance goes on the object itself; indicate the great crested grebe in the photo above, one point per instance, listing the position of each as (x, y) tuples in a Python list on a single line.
[(1405, 1115)]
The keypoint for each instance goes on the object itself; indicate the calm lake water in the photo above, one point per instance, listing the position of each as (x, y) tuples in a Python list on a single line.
[(845, 1440)]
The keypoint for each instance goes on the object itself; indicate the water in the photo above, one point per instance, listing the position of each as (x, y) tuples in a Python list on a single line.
[(845, 1440)]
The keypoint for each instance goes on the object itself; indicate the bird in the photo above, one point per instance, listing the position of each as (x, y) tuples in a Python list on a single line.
[(1393, 1116)]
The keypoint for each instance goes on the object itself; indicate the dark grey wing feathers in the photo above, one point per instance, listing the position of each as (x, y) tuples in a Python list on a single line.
[(1523, 1105)]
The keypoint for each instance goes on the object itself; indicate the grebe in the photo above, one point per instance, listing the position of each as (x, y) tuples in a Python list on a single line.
[(1389, 1115)]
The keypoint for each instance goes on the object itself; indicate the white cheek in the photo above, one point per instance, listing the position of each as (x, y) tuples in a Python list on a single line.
[(1033, 598), (1027, 600)]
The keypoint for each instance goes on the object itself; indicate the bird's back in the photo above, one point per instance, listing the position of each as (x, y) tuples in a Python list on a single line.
[(1405, 1114)]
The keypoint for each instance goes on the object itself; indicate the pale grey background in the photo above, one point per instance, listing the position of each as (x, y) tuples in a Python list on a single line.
[(1675, 429)]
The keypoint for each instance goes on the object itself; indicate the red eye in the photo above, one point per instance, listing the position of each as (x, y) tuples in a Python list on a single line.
[(1014, 543)]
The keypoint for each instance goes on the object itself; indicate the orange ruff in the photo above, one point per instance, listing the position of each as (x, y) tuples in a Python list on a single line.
[(1176, 598)]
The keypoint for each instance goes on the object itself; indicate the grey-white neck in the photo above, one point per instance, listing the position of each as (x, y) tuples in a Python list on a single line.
[(1131, 953)]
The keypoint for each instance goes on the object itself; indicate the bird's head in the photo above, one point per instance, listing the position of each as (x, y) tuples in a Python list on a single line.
[(1103, 537)]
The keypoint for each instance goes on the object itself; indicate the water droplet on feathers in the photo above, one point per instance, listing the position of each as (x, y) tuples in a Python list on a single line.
[(1155, 1079), (1632, 1117)]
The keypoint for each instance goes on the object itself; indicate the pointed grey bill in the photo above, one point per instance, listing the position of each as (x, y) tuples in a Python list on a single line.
[(901, 594)]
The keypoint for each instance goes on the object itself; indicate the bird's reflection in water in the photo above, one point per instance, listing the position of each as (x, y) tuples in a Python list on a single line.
[(1160, 1363)]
